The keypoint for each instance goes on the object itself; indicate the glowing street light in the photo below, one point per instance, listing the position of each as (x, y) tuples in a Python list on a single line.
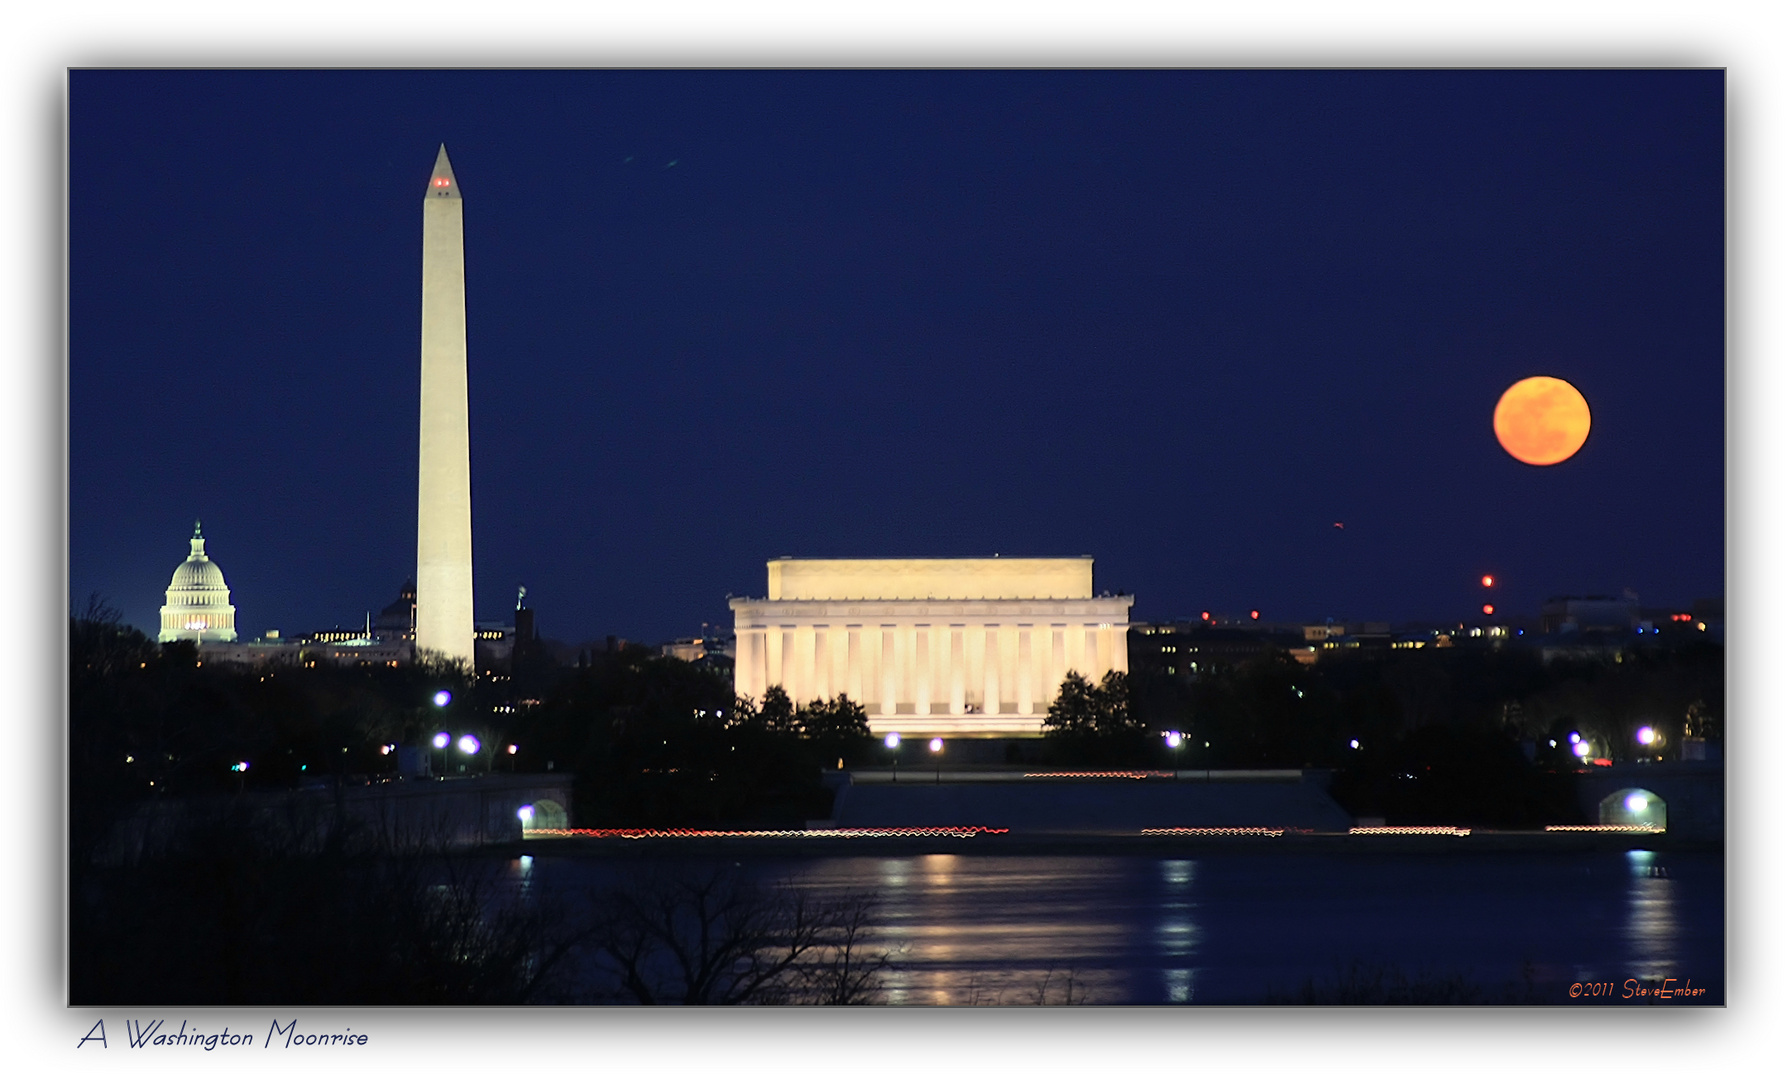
[(1353, 743), (443, 698), (1174, 739), (937, 770), (1637, 803), (892, 742), (526, 814), (441, 740), (469, 744), (1647, 736)]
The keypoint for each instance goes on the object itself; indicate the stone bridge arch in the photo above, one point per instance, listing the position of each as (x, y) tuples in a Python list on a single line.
[(1633, 806)]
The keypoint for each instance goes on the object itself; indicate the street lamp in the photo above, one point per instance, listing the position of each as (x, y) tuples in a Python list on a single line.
[(443, 698), (937, 769), (892, 742)]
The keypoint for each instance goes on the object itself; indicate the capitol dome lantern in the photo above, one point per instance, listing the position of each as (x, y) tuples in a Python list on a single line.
[(198, 607)]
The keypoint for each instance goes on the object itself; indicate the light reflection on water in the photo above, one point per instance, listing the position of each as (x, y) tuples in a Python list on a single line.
[(1651, 929), (1245, 927)]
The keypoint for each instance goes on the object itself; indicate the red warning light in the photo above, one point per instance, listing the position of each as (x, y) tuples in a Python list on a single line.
[(1489, 609), (1488, 581), (1253, 614), (441, 181), (1205, 615)]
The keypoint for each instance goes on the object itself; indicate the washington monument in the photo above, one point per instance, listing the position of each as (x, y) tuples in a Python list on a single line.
[(444, 484)]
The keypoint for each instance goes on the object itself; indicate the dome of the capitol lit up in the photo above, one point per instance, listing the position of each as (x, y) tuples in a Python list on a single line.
[(198, 607)]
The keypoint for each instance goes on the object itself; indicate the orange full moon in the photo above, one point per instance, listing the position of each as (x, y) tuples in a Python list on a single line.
[(1541, 420)]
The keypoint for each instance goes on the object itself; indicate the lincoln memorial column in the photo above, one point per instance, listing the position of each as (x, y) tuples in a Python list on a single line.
[(921, 670), (890, 667), (853, 663), (956, 670), (1027, 678), (990, 670), (751, 662), (821, 687), (1057, 658)]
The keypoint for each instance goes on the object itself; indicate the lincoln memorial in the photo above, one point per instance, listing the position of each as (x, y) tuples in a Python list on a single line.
[(930, 646)]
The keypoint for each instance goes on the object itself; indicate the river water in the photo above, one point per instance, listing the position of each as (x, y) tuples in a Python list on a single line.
[(1258, 927)]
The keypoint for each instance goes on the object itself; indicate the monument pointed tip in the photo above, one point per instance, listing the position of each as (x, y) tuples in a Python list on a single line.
[(441, 184)]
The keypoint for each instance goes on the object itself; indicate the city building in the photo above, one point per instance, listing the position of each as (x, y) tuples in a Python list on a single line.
[(930, 646), (1187, 648), (198, 607), (1565, 614)]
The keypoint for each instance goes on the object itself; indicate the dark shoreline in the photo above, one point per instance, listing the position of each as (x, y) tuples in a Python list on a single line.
[(1485, 842)]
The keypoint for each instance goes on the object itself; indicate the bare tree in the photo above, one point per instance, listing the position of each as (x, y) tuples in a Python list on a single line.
[(717, 939), (1072, 994)]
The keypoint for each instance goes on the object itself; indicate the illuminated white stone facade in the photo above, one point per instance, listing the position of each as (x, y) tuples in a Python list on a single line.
[(930, 646), (444, 473), (198, 607)]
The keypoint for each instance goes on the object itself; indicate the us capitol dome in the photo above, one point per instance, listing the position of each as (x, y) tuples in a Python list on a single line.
[(198, 607)]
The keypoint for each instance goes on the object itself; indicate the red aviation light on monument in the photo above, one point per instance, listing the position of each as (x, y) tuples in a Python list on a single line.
[(1489, 609), (1254, 614), (1487, 581)]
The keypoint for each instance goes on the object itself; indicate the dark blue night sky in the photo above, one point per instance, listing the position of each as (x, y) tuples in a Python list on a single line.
[(1183, 322)]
